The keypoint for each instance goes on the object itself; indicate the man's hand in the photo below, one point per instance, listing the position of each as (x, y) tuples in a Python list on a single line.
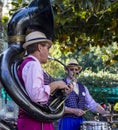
[(78, 112)]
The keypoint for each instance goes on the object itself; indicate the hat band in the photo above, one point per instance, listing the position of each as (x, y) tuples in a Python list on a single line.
[(36, 39), (73, 64)]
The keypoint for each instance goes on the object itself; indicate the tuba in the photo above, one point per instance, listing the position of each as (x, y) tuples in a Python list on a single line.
[(38, 15)]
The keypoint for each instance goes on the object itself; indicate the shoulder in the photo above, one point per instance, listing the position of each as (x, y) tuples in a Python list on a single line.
[(32, 65), (81, 85)]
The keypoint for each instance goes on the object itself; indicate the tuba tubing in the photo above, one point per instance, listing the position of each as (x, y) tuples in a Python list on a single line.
[(4, 126), (38, 15)]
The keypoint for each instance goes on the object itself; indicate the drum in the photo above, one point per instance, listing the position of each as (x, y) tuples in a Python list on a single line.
[(95, 125)]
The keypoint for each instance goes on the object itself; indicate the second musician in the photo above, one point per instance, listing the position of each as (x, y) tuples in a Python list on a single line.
[(77, 100)]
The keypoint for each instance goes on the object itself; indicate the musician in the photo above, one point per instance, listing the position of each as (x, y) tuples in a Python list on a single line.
[(30, 73), (77, 100)]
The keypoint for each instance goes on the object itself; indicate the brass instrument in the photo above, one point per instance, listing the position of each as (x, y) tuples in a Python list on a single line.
[(38, 15)]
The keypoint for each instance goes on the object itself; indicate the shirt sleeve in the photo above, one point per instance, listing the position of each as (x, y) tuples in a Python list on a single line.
[(32, 74), (90, 102)]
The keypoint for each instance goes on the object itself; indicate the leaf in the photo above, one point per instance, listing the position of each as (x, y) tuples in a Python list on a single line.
[(20, 1), (5, 19)]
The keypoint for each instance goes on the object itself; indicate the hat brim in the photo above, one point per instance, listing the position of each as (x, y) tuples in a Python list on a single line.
[(36, 41), (79, 67)]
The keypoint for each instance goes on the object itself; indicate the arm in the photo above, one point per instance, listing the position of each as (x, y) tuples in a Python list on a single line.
[(59, 85), (34, 82), (75, 111), (33, 77), (92, 104)]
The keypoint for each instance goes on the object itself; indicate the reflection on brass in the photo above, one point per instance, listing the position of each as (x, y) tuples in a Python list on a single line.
[(16, 38), (54, 101), (60, 104)]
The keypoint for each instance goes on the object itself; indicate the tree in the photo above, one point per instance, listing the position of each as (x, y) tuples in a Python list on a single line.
[(82, 24)]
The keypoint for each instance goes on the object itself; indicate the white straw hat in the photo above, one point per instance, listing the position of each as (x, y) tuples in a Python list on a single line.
[(73, 62), (35, 37)]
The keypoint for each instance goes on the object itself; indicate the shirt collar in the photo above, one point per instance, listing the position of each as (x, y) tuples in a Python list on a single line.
[(33, 57)]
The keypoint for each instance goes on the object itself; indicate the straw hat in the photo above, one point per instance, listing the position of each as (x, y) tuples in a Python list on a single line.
[(35, 37), (73, 62)]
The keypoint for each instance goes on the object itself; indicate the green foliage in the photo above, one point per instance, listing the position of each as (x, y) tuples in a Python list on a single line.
[(99, 79), (16, 5), (84, 23), (53, 67), (103, 79), (101, 84), (4, 19), (96, 58), (3, 33)]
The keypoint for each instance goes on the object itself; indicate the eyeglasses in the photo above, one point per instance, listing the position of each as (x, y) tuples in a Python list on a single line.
[(73, 69)]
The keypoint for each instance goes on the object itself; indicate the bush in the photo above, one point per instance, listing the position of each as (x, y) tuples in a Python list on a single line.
[(102, 85)]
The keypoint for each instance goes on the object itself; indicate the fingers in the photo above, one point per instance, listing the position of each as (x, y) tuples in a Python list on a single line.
[(60, 85), (68, 90), (79, 112), (70, 86)]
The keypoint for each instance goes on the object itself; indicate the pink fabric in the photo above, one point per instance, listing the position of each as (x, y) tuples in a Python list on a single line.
[(32, 74), (31, 124)]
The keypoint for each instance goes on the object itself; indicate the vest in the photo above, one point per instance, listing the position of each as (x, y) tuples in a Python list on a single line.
[(47, 80), (76, 100)]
